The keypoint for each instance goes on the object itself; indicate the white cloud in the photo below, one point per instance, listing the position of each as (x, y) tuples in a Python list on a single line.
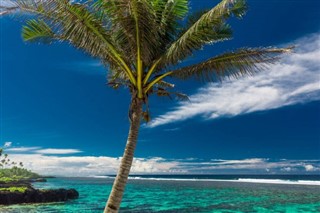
[(251, 165), (22, 149), (57, 151), (296, 79), (103, 165), (244, 161), (88, 67), (40, 150), (7, 144), (91, 165)]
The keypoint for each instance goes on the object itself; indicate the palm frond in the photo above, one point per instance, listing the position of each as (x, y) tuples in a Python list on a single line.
[(38, 30), (159, 25), (114, 9), (122, 24), (165, 85), (44, 9), (7, 9), (73, 21), (149, 39), (234, 64), (77, 25), (168, 13), (210, 27), (127, 17), (181, 96), (194, 17), (166, 93)]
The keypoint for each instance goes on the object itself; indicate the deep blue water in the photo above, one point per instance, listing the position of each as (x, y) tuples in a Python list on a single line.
[(232, 194)]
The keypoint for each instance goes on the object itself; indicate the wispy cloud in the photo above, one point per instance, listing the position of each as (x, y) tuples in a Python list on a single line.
[(7, 144), (40, 150), (171, 130), (57, 151), (294, 80), (89, 67), (102, 165), (257, 165), (22, 149)]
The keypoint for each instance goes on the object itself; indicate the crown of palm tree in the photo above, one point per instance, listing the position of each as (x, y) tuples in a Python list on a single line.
[(144, 41)]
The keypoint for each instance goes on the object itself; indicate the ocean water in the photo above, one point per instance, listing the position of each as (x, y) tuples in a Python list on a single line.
[(194, 194)]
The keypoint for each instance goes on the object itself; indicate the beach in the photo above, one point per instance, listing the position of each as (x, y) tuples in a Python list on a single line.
[(204, 193)]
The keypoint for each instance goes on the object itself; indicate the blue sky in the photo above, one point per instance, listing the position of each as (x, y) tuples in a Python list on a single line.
[(56, 107)]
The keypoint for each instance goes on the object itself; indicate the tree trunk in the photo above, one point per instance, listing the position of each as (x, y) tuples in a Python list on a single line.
[(119, 184)]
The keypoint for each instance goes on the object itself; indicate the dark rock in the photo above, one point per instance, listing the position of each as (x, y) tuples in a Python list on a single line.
[(37, 196), (17, 182), (7, 185), (72, 194)]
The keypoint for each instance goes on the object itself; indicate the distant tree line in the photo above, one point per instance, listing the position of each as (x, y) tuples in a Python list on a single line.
[(13, 171), (5, 161)]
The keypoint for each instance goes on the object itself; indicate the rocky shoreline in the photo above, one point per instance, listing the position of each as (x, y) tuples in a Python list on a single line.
[(22, 192)]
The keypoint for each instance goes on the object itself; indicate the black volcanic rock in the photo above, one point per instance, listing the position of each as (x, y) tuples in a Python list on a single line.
[(22, 182), (32, 195)]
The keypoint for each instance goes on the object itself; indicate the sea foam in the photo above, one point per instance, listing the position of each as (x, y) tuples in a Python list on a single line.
[(239, 180)]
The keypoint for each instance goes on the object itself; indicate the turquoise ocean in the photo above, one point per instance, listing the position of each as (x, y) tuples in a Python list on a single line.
[(188, 193)]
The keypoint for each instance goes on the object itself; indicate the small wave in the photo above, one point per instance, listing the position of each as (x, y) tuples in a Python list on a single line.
[(168, 179), (279, 181), (239, 180), (102, 176)]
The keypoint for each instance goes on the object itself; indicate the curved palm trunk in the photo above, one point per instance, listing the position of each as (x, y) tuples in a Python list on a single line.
[(119, 184)]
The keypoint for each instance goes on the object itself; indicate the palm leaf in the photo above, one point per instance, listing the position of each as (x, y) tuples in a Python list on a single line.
[(164, 84), (210, 27), (147, 38), (77, 25), (233, 64), (168, 14), (7, 9), (128, 18), (38, 30), (121, 25), (181, 96), (165, 93)]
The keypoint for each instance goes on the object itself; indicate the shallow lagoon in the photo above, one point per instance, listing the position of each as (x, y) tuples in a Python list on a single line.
[(181, 195)]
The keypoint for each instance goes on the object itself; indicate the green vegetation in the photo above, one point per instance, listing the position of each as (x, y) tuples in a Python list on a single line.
[(14, 189), (15, 174), (8, 179), (5, 161), (10, 172)]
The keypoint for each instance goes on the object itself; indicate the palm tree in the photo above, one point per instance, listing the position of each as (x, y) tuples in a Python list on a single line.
[(142, 43)]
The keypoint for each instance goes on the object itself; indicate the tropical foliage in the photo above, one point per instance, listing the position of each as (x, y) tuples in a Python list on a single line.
[(143, 43), (14, 189), (16, 173), (5, 161), (11, 171)]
